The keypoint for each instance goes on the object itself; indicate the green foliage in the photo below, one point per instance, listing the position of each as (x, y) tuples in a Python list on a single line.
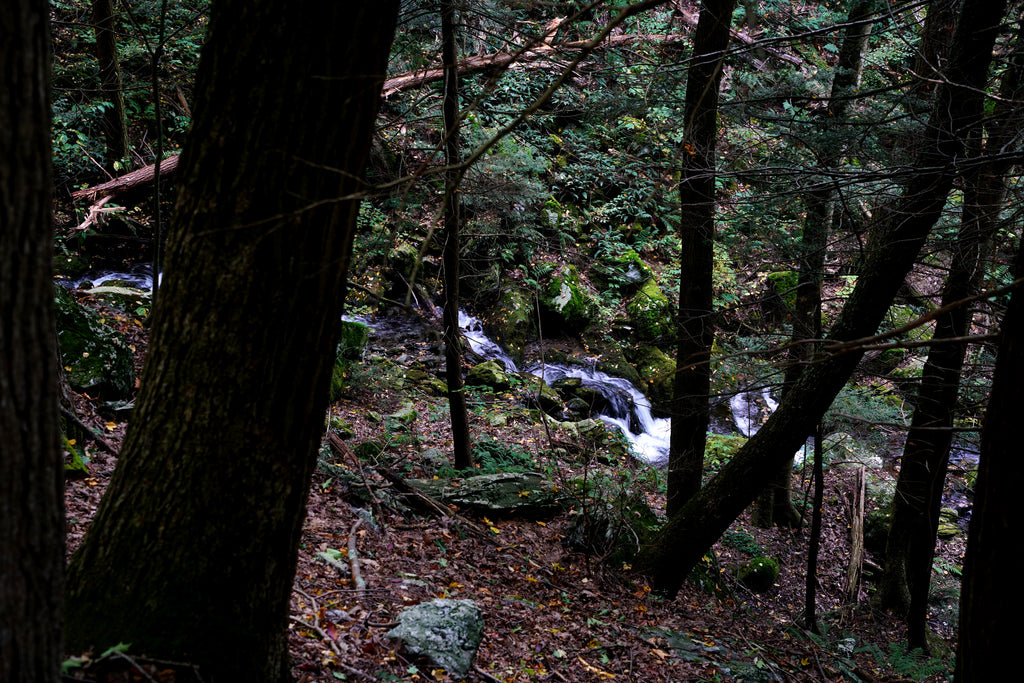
[(719, 449), (492, 457), (862, 411), (742, 541), (906, 663)]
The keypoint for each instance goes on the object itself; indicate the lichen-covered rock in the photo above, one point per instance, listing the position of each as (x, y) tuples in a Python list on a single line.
[(96, 358), (489, 374), (567, 307), (519, 493), (650, 314), (759, 574), (403, 259), (447, 632)]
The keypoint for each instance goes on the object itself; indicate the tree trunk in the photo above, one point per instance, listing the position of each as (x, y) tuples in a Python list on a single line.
[(452, 219), (192, 552), (897, 238), (31, 467), (775, 505), (990, 596), (114, 129), (695, 329), (910, 547)]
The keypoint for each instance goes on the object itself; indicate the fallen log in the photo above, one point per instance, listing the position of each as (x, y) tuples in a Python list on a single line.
[(129, 181)]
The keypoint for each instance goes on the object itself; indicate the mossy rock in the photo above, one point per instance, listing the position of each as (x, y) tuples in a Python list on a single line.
[(650, 314), (121, 296), (512, 320), (403, 259), (625, 272), (351, 345), (567, 307), (539, 394), (489, 374), (783, 284), (95, 357), (759, 574), (656, 372), (613, 362)]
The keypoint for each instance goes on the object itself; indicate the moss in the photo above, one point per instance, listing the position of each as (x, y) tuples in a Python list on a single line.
[(567, 306), (650, 314), (759, 574), (624, 272), (656, 371), (96, 358), (783, 283), (352, 343), (512, 321)]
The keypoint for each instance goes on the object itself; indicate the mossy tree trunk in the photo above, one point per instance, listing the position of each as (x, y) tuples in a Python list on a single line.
[(695, 332), (450, 255), (31, 468), (192, 552), (896, 239), (910, 547)]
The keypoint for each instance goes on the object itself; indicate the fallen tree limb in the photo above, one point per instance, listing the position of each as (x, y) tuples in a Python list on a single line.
[(129, 181)]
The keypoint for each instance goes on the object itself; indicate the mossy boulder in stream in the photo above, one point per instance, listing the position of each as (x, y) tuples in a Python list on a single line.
[(656, 372), (512, 320), (650, 314), (96, 358), (489, 374), (567, 307)]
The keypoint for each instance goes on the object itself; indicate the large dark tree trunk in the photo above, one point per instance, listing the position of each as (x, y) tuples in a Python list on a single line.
[(990, 597), (452, 220), (775, 505), (31, 469), (897, 237), (695, 331), (114, 129), (192, 552), (910, 547)]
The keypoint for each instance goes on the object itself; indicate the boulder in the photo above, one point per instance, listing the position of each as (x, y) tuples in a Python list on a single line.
[(656, 372), (845, 451), (623, 273), (651, 314), (96, 358), (447, 632), (489, 374), (512, 320), (759, 574), (567, 307), (351, 345), (509, 493)]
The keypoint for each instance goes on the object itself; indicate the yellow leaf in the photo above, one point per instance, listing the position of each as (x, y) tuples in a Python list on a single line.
[(660, 653), (72, 442), (494, 529), (111, 426)]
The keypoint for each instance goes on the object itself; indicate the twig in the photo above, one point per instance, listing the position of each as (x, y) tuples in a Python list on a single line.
[(88, 431), (353, 558), (486, 675)]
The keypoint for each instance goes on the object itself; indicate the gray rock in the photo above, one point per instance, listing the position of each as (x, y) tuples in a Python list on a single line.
[(447, 632), (520, 493)]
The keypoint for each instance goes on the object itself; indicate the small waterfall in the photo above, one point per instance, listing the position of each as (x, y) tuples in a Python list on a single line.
[(627, 408)]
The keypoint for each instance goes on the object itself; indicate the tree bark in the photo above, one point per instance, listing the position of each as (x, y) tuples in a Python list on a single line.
[(910, 547), (897, 238), (452, 225), (192, 552), (775, 505), (31, 467), (990, 596), (114, 129), (695, 330)]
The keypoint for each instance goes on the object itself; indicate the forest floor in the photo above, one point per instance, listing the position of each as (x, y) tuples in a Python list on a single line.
[(551, 614)]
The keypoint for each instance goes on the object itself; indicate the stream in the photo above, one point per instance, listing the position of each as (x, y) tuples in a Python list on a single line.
[(628, 409)]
